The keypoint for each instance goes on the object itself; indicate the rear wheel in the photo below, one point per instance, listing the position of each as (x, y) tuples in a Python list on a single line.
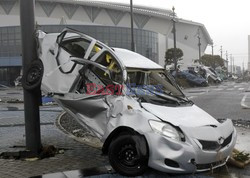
[(32, 79), (128, 155)]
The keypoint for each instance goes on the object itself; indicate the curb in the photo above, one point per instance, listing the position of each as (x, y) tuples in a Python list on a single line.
[(22, 125)]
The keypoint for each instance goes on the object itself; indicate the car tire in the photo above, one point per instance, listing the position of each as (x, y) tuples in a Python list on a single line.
[(210, 80), (33, 77), (204, 84), (128, 155)]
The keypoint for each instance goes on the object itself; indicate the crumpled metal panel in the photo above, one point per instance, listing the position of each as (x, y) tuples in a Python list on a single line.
[(54, 80), (210, 132), (91, 112), (191, 116)]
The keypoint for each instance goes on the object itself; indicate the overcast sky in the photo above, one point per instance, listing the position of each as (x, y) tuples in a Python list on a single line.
[(227, 21)]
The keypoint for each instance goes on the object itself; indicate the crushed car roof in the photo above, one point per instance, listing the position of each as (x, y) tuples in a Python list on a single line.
[(134, 60)]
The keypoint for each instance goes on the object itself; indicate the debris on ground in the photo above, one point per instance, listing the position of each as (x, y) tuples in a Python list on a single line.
[(32, 159), (239, 159), (14, 101), (46, 152)]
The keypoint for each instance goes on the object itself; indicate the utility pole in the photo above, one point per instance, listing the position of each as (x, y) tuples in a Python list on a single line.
[(221, 52), (243, 68), (31, 97), (227, 62), (132, 26), (231, 59), (199, 45), (174, 32), (213, 54), (233, 65)]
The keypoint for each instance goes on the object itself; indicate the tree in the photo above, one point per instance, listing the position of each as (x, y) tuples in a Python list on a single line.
[(169, 56), (213, 61)]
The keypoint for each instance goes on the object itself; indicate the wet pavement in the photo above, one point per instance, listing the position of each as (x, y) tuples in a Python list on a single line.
[(78, 159), (227, 100)]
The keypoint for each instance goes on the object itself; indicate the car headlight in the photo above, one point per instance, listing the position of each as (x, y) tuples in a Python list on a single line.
[(166, 130)]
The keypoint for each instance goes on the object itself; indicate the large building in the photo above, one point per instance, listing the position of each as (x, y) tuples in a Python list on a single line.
[(107, 22), (248, 67)]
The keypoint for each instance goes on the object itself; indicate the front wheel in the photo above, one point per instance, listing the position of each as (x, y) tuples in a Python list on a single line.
[(128, 155)]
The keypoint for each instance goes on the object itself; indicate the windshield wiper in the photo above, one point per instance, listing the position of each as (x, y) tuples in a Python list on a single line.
[(171, 96), (185, 100), (162, 96)]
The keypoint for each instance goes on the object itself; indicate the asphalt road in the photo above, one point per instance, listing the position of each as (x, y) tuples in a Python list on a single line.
[(227, 100)]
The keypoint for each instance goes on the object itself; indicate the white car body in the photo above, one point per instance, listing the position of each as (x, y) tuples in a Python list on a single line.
[(181, 137), (211, 74)]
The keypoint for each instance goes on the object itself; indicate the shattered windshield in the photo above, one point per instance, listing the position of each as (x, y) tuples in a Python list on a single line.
[(154, 86)]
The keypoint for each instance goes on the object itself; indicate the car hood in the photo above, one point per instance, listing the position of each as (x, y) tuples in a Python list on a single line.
[(188, 116)]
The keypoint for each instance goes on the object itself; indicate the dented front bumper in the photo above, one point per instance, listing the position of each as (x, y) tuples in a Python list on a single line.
[(173, 156)]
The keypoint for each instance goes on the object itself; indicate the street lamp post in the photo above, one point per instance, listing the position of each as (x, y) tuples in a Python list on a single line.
[(227, 62), (212, 49), (199, 45), (132, 26), (174, 33), (231, 60), (221, 52), (31, 97)]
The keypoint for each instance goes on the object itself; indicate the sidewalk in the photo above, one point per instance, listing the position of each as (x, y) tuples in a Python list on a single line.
[(76, 155)]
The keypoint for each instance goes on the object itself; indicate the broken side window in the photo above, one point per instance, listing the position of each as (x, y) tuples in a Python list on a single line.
[(76, 47), (96, 81)]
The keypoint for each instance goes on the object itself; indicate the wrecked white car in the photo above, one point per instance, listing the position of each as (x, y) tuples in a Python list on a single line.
[(131, 104)]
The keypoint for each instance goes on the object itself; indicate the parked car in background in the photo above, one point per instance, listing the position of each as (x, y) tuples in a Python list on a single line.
[(131, 104), (211, 75), (193, 78)]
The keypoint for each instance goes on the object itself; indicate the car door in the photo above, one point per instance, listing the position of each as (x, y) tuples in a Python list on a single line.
[(60, 71), (100, 75), (87, 100)]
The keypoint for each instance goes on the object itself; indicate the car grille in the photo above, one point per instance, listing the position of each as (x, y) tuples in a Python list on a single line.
[(212, 145), (210, 165), (209, 145), (227, 141)]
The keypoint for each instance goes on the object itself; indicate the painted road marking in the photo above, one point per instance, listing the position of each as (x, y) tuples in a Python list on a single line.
[(243, 104), (218, 89), (191, 97)]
